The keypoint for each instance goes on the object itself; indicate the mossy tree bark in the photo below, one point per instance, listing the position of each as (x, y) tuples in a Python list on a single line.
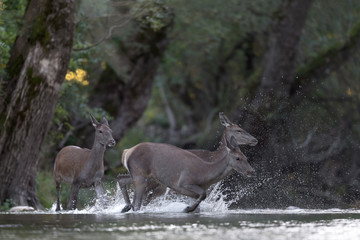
[(36, 70)]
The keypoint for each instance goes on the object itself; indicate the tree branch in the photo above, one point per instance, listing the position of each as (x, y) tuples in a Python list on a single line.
[(108, 36)]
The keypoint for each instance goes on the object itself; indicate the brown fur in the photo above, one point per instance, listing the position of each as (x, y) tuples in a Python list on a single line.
[(181, 170), (82, 167)]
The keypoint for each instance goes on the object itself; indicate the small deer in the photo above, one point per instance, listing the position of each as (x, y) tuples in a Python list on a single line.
[(82, 167), (182, 170), (154, 189)]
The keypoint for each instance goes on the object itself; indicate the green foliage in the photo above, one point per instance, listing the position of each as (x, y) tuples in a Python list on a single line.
[(72, 105), (45, 187), (206, 64), (209, 31), (133, 137), (11, 14), (327, 25), (7, 205)]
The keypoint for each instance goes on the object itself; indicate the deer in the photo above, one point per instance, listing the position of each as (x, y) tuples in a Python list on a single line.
[(154, 189), (82, 167), (158, 165)]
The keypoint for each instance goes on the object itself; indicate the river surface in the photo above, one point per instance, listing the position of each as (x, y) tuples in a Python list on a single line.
[(291, 223), (163, 219)]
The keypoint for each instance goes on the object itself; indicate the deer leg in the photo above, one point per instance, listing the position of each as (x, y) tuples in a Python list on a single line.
[(198, 191), (140, 185), (71, 205), (123, 181), (57, 197), (155, 191), (99, 189)]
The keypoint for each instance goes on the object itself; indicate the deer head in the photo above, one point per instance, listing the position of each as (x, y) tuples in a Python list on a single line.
[(238, 160), (232, 130), (103, 133)]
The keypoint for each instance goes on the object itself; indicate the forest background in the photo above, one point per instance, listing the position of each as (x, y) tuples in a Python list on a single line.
[(161, 70)]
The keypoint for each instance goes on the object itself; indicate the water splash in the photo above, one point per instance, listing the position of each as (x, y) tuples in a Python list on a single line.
[(216, 201), (170, 202)]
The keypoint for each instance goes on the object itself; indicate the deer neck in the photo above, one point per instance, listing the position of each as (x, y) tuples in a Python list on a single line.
[(97, 153), (219, 168)]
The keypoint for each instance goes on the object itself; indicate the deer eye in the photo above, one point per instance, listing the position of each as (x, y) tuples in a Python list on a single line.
[(237, 158), (100, 131)]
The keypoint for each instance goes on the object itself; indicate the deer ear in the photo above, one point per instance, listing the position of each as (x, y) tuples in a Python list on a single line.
[(104, 121), (224, 120), (93, 120), (232, 144)]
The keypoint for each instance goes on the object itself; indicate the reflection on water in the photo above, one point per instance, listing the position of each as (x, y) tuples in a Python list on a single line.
[(163, 219)]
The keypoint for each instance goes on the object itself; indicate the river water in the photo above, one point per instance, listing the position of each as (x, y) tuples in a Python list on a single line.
[(164, 219), (235, 224)]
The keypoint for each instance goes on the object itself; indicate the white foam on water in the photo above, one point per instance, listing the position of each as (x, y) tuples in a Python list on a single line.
[(171, 202)]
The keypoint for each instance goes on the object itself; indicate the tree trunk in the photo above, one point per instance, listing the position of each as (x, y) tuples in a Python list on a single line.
[(265, 117), (36, 70), (126, 97), (279, 61)]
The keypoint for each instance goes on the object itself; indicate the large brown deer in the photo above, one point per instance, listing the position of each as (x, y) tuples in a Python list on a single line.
[(155, 189), (182, 170), (82, 167)]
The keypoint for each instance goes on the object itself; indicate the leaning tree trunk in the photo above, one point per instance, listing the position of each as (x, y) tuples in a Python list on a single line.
[(36, 70)]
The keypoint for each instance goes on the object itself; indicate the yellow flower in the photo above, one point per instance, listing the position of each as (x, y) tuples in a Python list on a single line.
[(79, 76), (70, 76), (3, 65), (80, 72), (103, 65)]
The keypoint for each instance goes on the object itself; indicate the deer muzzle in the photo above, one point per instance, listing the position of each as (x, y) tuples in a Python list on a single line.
[(250, 173), (111, 143), (253, 142)]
